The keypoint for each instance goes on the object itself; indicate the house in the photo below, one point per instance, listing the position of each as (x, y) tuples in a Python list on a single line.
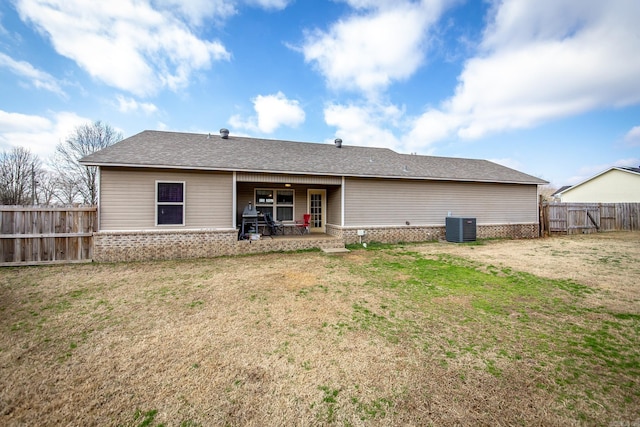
[(614, 185), (556, 194), (172, 194)]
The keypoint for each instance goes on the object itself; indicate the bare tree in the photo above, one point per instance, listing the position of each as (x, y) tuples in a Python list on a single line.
[(18, 177), (85, 140), (47, 187), (546, 191), (67, 190)]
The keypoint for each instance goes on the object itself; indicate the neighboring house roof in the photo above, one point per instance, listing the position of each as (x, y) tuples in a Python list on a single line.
[(157, 149), (636, 170), (560, 190), (623, 169)]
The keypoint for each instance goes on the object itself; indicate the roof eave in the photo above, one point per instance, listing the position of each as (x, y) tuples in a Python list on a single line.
[(288, 172)]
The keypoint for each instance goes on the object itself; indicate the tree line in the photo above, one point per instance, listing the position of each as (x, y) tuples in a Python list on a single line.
[(26, 180)]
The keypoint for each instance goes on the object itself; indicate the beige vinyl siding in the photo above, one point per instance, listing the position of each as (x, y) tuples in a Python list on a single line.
[(300, 203), (127, 199), (244, 195), (614, 186), (334, 206), (290, 179), (376, 202)]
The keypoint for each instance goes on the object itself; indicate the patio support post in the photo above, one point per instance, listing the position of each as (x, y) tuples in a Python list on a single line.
[(233, 200), (342, 202)]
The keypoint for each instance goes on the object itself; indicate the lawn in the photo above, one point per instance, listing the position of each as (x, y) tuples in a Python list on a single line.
[(543, 332)]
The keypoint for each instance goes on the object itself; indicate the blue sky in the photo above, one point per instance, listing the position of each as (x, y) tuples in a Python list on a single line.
[(548, 87)]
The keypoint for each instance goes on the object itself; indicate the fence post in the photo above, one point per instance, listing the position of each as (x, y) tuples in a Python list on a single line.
[(541, 217)]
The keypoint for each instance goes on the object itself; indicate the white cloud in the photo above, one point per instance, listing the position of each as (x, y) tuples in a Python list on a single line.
[(131, 46), (370, 4), (38, 78), (200, 12), (365, 125), (272, 112), (542, 62), (632, 137), (276, 110), (12, 122), (432, 126), (238, 122), (369, 51), (214, 12), (270, 4), (38, 134), (128, 105)]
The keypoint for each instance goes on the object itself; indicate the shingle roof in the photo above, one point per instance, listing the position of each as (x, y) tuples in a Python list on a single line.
[(636, 170), (561, 189), (198, 151)]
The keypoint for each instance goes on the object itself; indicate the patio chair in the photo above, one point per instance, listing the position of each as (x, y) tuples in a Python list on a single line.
[(303, 225), (275, 227)]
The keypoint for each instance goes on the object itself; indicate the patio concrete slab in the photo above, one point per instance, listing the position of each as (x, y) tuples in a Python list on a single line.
[(335, 250)]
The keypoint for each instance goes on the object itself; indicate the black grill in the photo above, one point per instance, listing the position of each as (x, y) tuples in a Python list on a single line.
[(249, 221), (249, 211)]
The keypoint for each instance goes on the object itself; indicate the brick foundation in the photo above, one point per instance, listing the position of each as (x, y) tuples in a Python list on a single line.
[(115, 246), (428, 233), (509, 231), (387, 234), (112, 246)]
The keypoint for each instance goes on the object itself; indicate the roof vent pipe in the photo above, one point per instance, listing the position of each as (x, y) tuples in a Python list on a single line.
[(224, 133), (338, 142)]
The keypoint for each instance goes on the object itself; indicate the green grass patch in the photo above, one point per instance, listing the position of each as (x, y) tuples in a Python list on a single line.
[(497, 315), (145, 419), (326, 408)]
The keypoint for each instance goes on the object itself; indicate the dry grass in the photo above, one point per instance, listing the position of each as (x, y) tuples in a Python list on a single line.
[(309, 339)]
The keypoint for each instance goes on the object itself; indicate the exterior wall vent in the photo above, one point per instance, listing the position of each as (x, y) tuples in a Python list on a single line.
[(338, 142), (224, 133), (460, 230)]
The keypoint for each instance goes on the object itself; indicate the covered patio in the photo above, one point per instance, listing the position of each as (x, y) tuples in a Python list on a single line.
[(286, 199)]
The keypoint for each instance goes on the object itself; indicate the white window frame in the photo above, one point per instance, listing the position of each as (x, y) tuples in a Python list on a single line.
[(183, 203), (275, 204)]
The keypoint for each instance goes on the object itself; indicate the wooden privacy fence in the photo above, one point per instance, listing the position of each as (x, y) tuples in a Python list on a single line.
[(579, 218), (46, 235)]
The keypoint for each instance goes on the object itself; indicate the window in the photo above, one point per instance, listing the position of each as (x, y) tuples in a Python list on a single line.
[(170, 203), (279, 203)]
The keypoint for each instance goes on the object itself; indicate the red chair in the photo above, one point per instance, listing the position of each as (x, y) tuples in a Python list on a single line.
[(303, 225)]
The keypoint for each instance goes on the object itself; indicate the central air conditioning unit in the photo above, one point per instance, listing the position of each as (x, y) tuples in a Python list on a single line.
[(460, 230)]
